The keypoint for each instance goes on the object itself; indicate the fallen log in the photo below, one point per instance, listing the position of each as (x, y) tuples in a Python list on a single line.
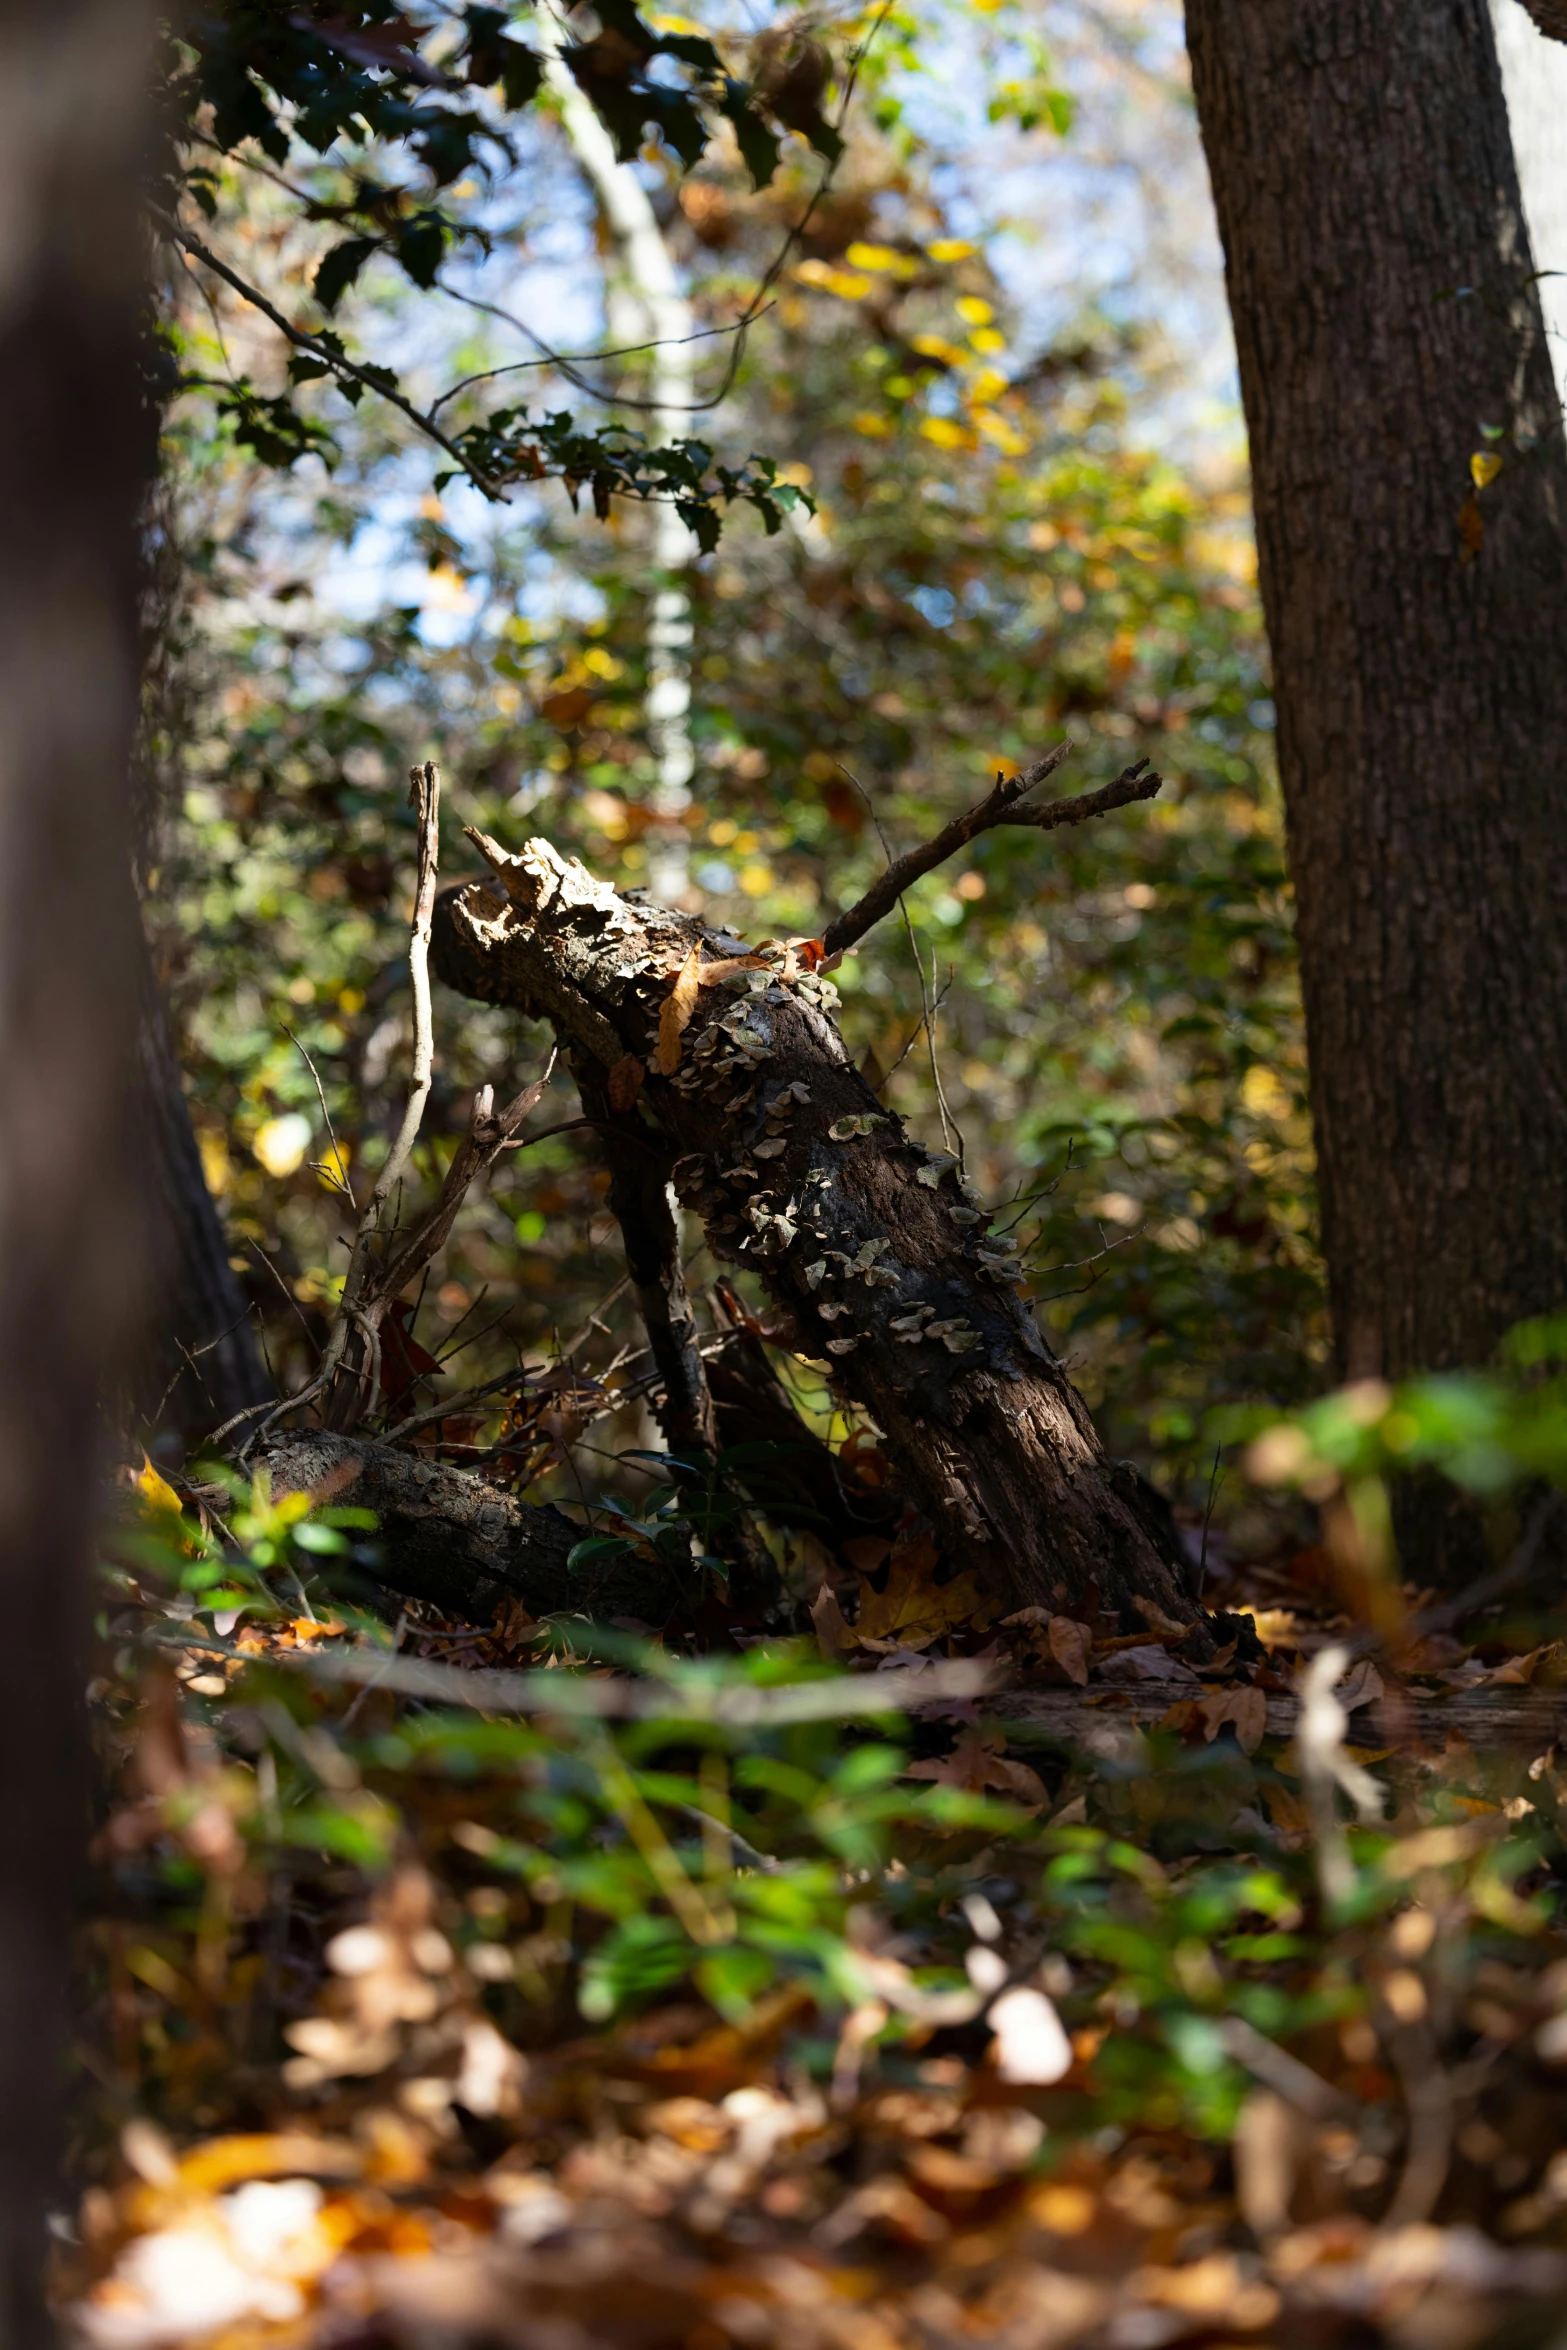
[(875, 1249), (445, 1536)]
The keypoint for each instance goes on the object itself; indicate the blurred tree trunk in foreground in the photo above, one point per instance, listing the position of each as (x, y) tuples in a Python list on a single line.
[(1391, 351), (74, 444)]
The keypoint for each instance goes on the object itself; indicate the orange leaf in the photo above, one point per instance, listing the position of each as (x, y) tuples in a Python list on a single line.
[(675, 1012)]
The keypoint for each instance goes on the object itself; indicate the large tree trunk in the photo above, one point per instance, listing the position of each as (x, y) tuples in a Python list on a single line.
[(75, 447), (871, 1245), (1378, 271)]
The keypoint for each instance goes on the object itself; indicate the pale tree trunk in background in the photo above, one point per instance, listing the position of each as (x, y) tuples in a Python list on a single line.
[(664, 317), (74, 446), (1534, 76), (1362, 174)]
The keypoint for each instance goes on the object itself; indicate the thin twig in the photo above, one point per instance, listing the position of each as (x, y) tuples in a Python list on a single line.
[(693, 1698), (336, 361), (425, 798), (567, 366), (1000, 806), (339, 1168), (310, 1336)]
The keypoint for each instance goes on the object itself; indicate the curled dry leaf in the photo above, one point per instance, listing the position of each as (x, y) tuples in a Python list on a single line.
[(833, 1636), (675, 1013), (1070, 1645)]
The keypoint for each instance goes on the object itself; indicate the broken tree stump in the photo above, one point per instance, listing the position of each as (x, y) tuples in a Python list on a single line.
[(877, 1252)]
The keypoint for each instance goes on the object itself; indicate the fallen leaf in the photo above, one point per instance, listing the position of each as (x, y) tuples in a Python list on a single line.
[(833, 1636), (675, 1012), (1245, 1708), (1070, 1644), (1363, 1686), (976, 1763)]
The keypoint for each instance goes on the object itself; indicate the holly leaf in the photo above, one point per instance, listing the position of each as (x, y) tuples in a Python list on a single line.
[(339, 269)]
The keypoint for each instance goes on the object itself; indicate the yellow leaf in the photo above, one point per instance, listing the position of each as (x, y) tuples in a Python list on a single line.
[(156, 1492), (973, 311), (877, 257), (1001, 433), (938, 347), (224, 2162), (952, 249), (874, 427), (987, 341), (849, 285), (944, 432), (281, 1143), (1485, 467)]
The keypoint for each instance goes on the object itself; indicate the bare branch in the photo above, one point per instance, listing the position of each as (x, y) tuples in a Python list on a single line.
[(1000, 806)]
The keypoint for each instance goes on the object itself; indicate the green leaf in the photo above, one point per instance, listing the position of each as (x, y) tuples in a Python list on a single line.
[(759, 147), (339, 269)]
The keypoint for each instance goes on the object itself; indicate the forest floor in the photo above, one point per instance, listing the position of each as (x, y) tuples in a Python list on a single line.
[(1069, 2011)]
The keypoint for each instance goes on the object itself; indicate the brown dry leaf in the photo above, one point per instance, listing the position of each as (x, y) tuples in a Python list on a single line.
[(833, 1636), (866, 1552), (675, 1012), (913, 1610), (1244, 1707), (1289, 1812), (625, 1079), (1517, 1673), (1362, 1687), (976, 1763), (1070, 1644)]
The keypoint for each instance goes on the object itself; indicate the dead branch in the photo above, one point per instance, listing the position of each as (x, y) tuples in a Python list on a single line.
[(1000, 806), (875, 1250), (447, 1536)]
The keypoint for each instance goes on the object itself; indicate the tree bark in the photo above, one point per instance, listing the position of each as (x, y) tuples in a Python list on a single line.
[(1378, 269), (75, 455), (446, 1536), (869, 1243), (202, 1364)]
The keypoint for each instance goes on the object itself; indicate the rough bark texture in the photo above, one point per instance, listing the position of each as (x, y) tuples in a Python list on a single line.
[(203, 1364), (1378, 272), (870, 1244), (75, 451), (446, 1536), (798, 1483)]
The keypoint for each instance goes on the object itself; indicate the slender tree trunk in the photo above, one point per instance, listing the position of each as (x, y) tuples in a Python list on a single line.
[(1378, 271), (74, 450), (202, 1363)]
